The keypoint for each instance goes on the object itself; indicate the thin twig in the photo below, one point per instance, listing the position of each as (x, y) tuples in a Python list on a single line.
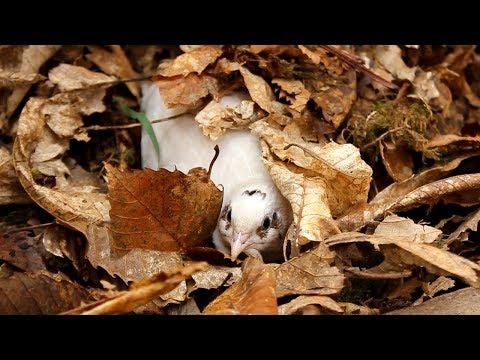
[(27, 228), (127, 126), (356, 63)]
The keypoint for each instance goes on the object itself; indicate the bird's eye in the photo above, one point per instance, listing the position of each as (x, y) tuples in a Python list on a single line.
[(229, 215), (266, 223)]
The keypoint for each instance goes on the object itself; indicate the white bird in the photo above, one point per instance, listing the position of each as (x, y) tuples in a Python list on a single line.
[(254, 216)]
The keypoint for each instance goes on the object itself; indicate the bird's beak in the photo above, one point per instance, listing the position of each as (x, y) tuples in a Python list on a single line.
[(239, 244)]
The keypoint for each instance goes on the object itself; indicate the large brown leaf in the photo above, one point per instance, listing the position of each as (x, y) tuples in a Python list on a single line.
[(162, 210), (40, 293), (11, 192), (22, 250), (253, 294)]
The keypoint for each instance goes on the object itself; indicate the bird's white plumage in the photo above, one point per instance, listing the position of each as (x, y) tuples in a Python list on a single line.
[(239, 167)]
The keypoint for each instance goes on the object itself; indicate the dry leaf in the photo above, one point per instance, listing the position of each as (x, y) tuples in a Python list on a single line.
[(9, 79), (116, 63), (187, 91), (24, 60), (215, 276), (347, 177), (310, 273), (461, 233), (399, 226), (70, 77), (254, 294), (298, 94), (139, 293), (39, 293), (389, 56), (193, 61), (11, 191), (162, 210), (302, 301), (435, 260), (398, 161), (214, 119), (22, 250)]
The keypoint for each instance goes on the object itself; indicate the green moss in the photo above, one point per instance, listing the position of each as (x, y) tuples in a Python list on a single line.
[(408, 123)]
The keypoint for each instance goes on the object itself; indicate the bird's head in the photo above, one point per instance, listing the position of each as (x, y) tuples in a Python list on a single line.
[(255, 220)]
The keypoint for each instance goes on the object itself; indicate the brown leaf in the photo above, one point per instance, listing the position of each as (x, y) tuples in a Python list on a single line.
[(298, 94), (116, 63), (11, 191), (398, 161), (215, 276), (304, 300), (24, 60), (253, 294), (187, 91), (69, 77), (310, 273), (194, 61), (139, 293), (394, 225), (9, 79), (402, 251), (162, 210), (383, 202), (22, 250), (470, 224), (39, 294)]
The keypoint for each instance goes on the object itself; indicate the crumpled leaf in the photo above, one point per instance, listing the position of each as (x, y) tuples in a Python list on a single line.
[(187, 91), (11, 191), (461, 232), (400, 251), (312, 220), (162, 210), (195, 60), (347, 177), (214, 119), (23, 60), (254, 294), (310, 273), (396, 225), (39, 293), (298, 95), (442, 283), (139, 293), (257, 87), (10, 79), (69, 77), (116, 63), (302, 301)]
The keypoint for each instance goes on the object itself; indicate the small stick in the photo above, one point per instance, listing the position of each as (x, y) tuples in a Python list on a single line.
[(26, 228), (217, 152), (127, 126)]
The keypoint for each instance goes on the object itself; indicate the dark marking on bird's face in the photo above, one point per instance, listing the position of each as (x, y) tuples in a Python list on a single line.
[(269, 222), (252, 192), (226, 215)]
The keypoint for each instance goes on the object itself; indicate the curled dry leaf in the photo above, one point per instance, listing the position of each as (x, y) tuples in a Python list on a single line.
[(390, 57), (11, 191), (435, 260), (187, 91), (215, 276), (39, 293), (310, 273), (214, 119), (193, 61), (397, 160), (386, 199), (162, 210), (139, 293), (253, 294), (347, 177), (396, 225), (300, 302), (461, 232), (9, 79), (116, 63)]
